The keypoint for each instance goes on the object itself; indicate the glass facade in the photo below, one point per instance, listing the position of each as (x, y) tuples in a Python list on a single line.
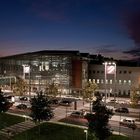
[(42, 68)]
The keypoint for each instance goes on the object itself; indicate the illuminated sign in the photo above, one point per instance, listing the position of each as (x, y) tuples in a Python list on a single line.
[(110, 69)]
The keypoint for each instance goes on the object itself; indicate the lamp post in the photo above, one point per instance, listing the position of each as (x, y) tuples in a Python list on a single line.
[(24, 117), (25, 121), (29, 81), (105, 81), (10, 81), (120, 125), (66, 109), (86, 132)]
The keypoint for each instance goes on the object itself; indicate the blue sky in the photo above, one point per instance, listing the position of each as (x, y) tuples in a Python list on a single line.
[(108, 27)]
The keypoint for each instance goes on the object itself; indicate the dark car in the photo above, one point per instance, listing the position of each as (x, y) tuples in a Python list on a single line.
[(10, 98), (79, 114), (53, 101), (21, 106), (122, 110), (65, 103)]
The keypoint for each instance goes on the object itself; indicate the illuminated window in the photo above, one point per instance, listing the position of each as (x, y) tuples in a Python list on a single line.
[(106, 81), (129, 82), (47, 67), (102, 81), (98, 81), (55, 64), (110, 81), (124, 81), (120, 81), (93, 80)]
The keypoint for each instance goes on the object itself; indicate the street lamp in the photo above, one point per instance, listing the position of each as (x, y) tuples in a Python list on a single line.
[(86, 132), (120, 125), (25, 117), (66, 109)]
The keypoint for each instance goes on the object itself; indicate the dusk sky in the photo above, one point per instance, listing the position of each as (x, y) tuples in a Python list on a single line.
[(107, 27)]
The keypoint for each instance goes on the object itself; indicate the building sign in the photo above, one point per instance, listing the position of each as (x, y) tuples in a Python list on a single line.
[(26, 69), (110, 69)]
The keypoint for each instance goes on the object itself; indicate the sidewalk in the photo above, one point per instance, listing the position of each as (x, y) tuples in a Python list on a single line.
[(17, 128)]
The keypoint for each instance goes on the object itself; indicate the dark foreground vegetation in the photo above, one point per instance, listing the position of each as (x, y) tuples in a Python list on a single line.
[(53, 131), (8, 120)]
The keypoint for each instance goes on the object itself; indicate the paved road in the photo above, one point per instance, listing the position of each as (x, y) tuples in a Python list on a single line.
[(63, 111), (125, 130)]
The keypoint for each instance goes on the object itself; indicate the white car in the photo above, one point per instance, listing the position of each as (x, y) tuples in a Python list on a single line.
[(113, 101), (79, 114), (128, 122)]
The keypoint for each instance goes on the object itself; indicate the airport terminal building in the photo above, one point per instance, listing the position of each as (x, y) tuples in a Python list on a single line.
[(68, 69)]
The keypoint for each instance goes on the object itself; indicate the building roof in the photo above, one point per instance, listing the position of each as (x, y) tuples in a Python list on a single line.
[(43, 53)]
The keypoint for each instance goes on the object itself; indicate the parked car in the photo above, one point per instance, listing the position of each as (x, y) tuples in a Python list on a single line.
[(10, 98), (9, 104), (128, 123), (65, 103), (79, 114), (113, 101), (23, 98), (21, 106), (122, 110), (53, 101)]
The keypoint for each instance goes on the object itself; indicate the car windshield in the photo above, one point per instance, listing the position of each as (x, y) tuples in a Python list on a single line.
[(66, 101)]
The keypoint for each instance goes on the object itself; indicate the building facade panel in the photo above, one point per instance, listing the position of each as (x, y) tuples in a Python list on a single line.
[(77, 74), (126, 78)]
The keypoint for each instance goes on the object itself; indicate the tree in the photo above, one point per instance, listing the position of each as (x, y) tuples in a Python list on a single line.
[(98, 121), (89, 90), (4, 103), (134, 96), (52, 89), (40, 108), (20, 87)]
